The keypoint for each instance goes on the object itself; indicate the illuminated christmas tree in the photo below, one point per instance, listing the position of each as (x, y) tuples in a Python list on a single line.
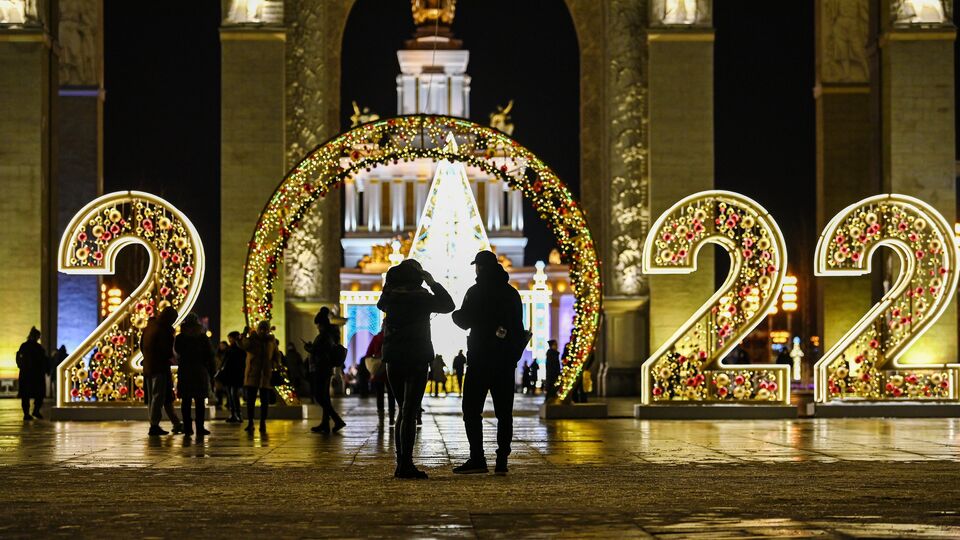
[(449, 235)]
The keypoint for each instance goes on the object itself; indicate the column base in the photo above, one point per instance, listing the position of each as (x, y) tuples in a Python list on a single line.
[(714, 412)]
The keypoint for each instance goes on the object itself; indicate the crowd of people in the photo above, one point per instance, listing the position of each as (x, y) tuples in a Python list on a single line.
[(397, 367)]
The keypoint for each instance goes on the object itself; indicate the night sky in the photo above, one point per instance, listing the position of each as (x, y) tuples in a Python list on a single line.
[(162, 110)]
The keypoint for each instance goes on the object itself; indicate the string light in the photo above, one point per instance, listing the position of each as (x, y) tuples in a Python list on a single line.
[(390, 141), (865, 364)]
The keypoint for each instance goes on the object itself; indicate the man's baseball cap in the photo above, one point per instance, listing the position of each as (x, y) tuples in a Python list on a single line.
[(485, 258)]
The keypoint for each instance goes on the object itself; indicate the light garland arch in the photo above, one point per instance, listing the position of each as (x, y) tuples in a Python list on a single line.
[(391, 140)]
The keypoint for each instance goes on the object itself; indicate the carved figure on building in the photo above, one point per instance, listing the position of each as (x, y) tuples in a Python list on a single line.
[(20, 12), (433, 11), (920, 11), (304, 270), (845, 39), (501, 119), (78, 40), (362, 116), (681, 12)]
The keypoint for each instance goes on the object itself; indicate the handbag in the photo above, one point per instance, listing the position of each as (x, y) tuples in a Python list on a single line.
[(374, 365)]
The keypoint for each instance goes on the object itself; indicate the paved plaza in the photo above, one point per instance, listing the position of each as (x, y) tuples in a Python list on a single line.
[(615, 478)]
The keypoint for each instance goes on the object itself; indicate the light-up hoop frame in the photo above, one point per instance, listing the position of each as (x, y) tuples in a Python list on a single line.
[(864, 364), (105, 368), (689, 366), (423, 136)]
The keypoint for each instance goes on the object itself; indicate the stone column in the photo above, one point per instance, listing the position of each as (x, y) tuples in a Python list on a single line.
[(79, 176), (313, 116), (845, 135), (28, 80), (252, 147), (918, 139), (681, 145)]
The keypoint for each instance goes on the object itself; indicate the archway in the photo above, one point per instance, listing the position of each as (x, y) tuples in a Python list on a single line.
[(420, 136)]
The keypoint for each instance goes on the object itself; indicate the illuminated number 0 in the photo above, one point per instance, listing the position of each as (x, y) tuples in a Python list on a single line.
[(689, 366), (105, 367), (864, 364)]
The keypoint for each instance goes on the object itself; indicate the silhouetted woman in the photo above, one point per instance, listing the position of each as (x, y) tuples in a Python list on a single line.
[(324, 357), (195, 368), (408, 349)]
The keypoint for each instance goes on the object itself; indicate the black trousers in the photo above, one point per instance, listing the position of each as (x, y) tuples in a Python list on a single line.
[(323, 399), (409, 382), (380, 388), (185, 410), (499, 381), (25, 403), (251, 397), (233, 401)]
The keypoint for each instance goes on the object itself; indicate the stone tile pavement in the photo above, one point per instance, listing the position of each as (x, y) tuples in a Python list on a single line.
[(615, 478)]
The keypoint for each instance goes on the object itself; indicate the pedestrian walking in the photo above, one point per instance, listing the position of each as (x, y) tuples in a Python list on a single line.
[(493, 312), (378, 379), (459, 364), (194, 371), (408, 348), (525, 378), (33, 363), (156, 344), (326, 353), (263, 356), (231, 375), (553, 369), (534, 376), (438, 375)]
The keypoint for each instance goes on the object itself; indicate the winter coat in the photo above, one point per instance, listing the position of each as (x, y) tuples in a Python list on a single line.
[(263, 356), (32, 361), (234, 365), (156, 344), (436, 370), (553, 366), (195, 364), (322, 359), (406, 327), (459, 362), (491, 304)]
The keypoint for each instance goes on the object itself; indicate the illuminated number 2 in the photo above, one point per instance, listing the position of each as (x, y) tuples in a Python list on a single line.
[(864, 364), (689, 366), (105, 367)]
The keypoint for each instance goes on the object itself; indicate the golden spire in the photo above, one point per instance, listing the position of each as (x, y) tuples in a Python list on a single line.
[(429, 11)]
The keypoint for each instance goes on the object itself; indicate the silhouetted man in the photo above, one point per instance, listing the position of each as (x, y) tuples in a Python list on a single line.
[(459, 363), (156, 344), (493, 313), (32, 361), (553, 369)]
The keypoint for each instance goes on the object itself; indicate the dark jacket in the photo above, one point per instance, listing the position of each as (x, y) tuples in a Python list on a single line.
[(234, 364), (459, 362), (322, 357), (490, 304), (32, 361), (156, 344), (406, 328), (195, 364), (553, 365)]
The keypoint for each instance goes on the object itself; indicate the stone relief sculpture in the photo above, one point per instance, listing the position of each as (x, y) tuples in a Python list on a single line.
[(844, 41), (21, 12), (680, 12), (920, 11), (304, 269), (78, 39), (630, 204), (254, 12)]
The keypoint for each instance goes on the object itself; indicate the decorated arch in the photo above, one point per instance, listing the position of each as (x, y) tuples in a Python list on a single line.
[(390, 141)]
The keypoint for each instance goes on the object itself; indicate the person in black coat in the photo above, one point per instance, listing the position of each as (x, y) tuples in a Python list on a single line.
[(33, 363), (553, 370), (408, 348), (323, 359), (493, 312), (459, 363), (231, 376), (195, 368)]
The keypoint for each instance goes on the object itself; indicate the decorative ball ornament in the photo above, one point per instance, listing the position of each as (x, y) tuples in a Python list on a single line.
[(107, 363), (865, 363), (689, 366), (405, 138)]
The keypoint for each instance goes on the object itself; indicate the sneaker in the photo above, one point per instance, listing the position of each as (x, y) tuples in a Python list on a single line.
[(320, 429), (202, 432), (338, 426), (233, 420), (27, 418), (37, 415), (177, 429), (472, 467), (187, 432), (501, 468), (157, 431), (410, 472)]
